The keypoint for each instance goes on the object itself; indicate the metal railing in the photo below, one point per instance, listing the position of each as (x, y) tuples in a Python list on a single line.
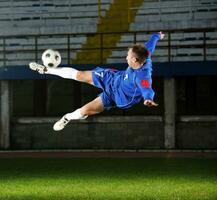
[(21, 49)]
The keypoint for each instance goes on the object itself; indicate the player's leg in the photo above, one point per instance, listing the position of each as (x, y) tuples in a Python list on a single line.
[(71, 73), (64, 72), (91, 108)]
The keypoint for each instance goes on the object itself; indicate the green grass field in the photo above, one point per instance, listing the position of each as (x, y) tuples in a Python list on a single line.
[(102, 179)]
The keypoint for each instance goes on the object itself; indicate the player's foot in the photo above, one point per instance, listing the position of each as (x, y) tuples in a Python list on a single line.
[(60, 124), (37, 67)]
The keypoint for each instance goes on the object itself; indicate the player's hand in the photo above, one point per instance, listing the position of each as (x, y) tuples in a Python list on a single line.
[(162, 35), (150, 103)]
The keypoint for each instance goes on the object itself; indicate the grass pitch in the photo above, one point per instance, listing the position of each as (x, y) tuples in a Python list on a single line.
[(105, 179)]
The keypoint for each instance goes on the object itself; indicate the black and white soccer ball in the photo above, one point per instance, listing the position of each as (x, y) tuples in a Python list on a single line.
[(51, 58)]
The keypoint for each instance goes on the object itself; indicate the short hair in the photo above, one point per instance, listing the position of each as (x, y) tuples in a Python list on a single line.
[(140, 52)]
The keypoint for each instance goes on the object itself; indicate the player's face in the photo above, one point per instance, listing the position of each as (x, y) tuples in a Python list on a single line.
[(131, 59)]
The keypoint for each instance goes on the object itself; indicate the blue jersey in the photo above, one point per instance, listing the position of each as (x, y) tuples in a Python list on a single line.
[(126, 88)]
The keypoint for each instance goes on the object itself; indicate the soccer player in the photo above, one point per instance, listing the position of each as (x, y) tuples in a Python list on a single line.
[(121, 89)]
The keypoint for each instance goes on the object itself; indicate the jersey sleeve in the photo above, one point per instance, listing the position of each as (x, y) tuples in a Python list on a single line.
[(152, 42), (144, 84)]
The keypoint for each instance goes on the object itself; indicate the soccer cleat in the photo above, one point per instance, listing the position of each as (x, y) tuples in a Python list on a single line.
[(37, 67), (60, 124)]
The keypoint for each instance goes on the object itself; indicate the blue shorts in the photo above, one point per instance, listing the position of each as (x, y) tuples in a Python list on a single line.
[(103, 78)]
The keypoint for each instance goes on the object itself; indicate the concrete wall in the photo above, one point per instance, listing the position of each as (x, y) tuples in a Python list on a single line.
[(128, 133), (196, 135), (136, 128), (93, 133)]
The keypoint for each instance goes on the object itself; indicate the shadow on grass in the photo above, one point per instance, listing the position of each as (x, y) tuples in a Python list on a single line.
[(121, 167)]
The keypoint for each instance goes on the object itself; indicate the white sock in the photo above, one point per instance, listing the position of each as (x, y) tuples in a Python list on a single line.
[(65, 72), (75, 115)]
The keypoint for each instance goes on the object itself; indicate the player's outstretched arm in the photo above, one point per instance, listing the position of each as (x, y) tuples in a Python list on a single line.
[(152, 42)]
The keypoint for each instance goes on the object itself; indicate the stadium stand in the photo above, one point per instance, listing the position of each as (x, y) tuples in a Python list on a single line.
[(170, 14), (184, 47), (38, 17), (173, 15)]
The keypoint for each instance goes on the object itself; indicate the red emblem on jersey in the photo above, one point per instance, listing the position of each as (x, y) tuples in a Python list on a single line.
[(114, 70), (145, 83)]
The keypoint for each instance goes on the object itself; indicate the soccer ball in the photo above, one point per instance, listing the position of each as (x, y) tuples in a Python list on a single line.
[(51, 58)]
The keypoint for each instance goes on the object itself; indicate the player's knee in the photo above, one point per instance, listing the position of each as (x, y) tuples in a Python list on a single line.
[(79, 76), (84, 76)]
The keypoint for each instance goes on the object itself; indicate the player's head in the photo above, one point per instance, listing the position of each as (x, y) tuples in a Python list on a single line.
[(136, 55)]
